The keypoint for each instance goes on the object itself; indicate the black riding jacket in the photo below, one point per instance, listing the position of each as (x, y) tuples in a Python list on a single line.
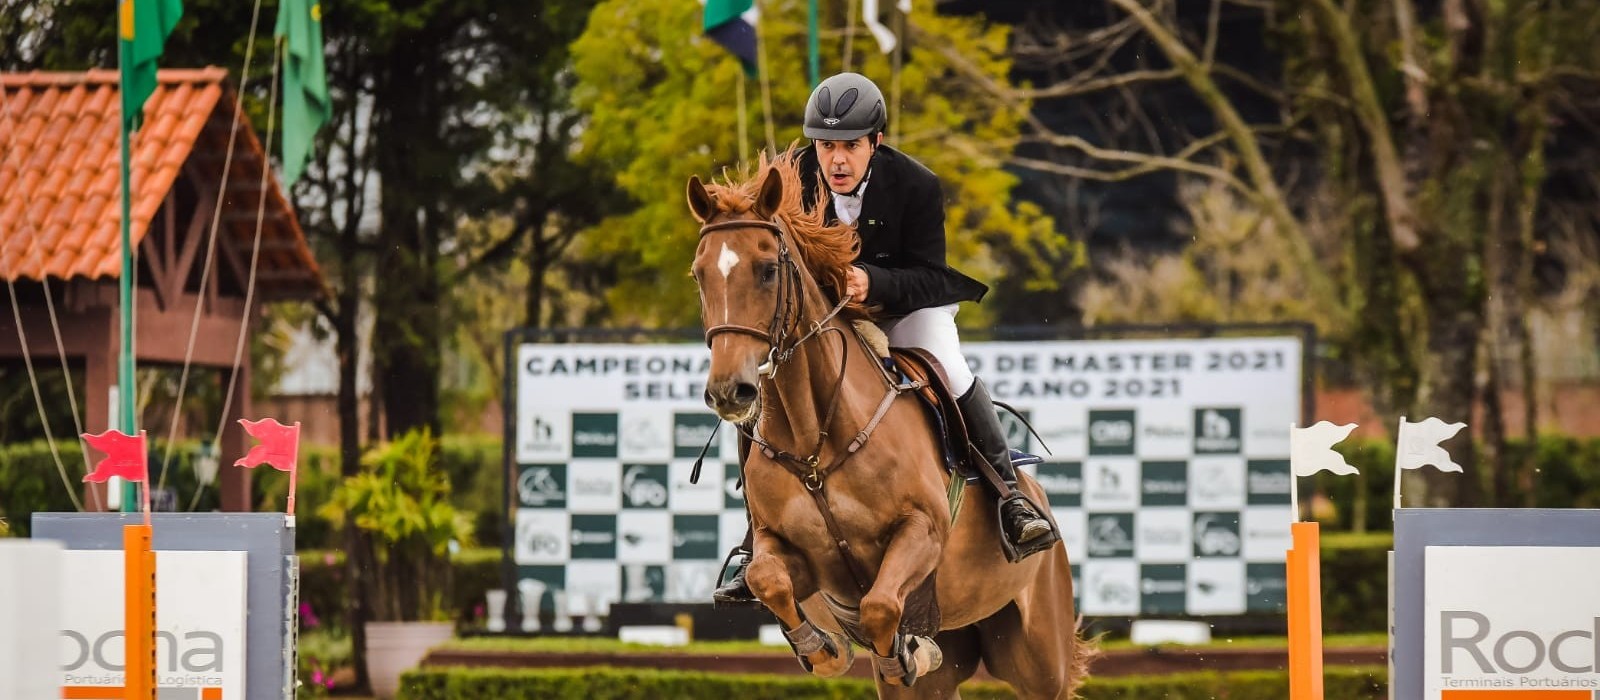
[(902, 234)]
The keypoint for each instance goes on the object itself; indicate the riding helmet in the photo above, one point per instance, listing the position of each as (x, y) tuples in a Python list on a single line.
[(844, 107)]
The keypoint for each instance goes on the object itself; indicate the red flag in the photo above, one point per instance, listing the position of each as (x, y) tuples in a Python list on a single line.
[(125, 456), (279, 444)]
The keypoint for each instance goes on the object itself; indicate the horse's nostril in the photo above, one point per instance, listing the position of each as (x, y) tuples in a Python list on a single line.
[(744, 392)]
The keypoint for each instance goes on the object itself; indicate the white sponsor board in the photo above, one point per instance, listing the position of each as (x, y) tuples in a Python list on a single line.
[(200, 621), (1513, 618), (1162, 454)]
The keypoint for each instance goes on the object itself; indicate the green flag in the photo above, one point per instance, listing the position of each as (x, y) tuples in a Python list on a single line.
[(144, 26), (306, 106)]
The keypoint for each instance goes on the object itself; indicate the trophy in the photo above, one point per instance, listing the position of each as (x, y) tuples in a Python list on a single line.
[(563, 615), (532, 594), (497, 610)]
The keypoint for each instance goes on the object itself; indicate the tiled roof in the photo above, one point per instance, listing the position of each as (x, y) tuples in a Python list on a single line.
[(60, 196)]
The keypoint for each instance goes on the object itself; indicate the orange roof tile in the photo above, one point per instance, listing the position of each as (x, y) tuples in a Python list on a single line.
[(60, 183)]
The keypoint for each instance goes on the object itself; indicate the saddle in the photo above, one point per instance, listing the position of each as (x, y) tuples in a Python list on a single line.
[(916, 364)]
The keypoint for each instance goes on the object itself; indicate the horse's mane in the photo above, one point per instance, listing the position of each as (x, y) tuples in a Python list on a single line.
[(828, 251)]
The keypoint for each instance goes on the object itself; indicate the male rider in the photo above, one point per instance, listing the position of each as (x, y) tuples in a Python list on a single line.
[(897, 206)]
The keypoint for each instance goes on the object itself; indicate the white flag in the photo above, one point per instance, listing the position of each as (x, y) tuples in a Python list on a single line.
[(1419, 444), (905, 6), (1311, 449), (886, 39)]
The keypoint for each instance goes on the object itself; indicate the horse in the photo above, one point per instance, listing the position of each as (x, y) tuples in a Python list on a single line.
[(858, 531)]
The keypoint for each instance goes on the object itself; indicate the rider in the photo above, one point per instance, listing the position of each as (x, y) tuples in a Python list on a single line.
[(897, 206)]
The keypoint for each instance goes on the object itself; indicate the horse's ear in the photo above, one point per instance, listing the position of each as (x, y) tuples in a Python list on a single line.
[(700, 200), (770, 197)]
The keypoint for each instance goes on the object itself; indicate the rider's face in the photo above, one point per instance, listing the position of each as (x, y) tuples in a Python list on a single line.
[(844, 163)]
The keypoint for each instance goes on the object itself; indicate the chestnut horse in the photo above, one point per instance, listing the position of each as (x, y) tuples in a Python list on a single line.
[(849, 499)]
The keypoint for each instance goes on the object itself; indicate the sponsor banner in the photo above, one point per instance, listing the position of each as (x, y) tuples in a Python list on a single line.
[(594, 434), (1266, 588), (644, 537), (692, 432), (1217, 535), (1110, 535), (644, 583), (1164, 535), (1110, 587), (691, 581), (704, 497), (644, 486), (200, 623), (1113, 432), (646, 435), (1164, 484), (1062, 483), (1216, 483), (1216, 587), (1217, 430), (542, 536), (695, 537), (542, 486), (593, 536), (1162, 589), (1165, 432), (1267, 482), (1265, 532), (542, 435), (594, 487), (1511, 618), (1074, 526), (1110, 483)]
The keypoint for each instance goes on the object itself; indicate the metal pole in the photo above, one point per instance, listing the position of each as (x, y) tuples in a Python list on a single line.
[(125, 415), (815, 65)]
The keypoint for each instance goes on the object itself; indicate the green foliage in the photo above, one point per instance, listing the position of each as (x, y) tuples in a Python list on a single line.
[(1345, 683), (320, 653), (400, 498), (661, 101), (323, 591)]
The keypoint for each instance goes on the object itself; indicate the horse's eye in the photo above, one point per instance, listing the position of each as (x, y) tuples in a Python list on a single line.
[(769, 272)]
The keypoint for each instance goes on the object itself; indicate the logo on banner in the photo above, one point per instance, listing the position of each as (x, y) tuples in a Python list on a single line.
[(1113, 590), (1267, 482), (542, 486), (1163, 589), (594, 435), (691, 432), (594, 536), (1266, 588), (1217, 430), (643, 583), (694, 537), (1017, 435), (645, 435), (644, 486), (1062, 483), (1164, 484), (1217, 535), (1110, 534), (541, 437), (1111, 432)]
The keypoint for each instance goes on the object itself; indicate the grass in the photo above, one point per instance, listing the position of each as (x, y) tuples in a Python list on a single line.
[(600, 645)]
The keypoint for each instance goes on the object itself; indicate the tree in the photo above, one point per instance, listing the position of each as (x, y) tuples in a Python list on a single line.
[(661, 103)]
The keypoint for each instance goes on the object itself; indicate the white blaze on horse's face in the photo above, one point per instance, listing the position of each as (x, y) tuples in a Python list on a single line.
[(725, 263)]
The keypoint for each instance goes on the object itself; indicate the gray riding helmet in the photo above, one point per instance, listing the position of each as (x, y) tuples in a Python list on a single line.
[(844, 107)]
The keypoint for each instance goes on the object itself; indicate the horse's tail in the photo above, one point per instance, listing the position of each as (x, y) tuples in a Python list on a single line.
[(1084, 651)]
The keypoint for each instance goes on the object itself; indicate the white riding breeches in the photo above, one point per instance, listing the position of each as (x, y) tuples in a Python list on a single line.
[(934, 329)]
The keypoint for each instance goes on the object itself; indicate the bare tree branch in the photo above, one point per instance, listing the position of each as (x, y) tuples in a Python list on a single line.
[(1073, 88)]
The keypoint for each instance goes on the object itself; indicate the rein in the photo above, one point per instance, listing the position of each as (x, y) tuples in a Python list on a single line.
[(809, 469)]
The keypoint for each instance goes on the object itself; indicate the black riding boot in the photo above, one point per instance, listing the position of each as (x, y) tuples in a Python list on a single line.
[(1023, 529), (736, 592)]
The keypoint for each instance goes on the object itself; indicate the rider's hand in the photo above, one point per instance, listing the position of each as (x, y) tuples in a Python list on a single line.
[(856, 284)]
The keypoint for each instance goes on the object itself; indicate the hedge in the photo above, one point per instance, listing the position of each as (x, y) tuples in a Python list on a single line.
[(1345, 683), (322, 584)]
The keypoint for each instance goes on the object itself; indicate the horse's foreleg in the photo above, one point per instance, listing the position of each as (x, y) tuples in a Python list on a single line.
[(779, 577), (912, 554)]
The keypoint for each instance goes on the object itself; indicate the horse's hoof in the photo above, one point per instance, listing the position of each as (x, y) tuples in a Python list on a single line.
[(929, 657), (838, 662)]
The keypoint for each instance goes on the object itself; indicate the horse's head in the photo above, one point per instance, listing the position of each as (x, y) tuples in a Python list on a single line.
[(748, 289)]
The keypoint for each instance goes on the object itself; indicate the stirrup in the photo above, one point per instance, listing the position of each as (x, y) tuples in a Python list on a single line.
[(726, 595), (1016, 552)]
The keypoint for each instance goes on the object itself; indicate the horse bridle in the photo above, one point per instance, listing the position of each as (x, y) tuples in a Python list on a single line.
[(785, 311)]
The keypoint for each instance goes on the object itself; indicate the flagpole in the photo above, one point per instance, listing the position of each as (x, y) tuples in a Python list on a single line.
[(1398, 472), (125, 416), (814, 65), (1294, 483)]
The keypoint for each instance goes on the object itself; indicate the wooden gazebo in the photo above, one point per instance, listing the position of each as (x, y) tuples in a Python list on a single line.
[(60, 211)]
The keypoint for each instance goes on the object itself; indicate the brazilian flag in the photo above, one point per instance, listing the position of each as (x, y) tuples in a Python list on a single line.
[(143, 28)]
